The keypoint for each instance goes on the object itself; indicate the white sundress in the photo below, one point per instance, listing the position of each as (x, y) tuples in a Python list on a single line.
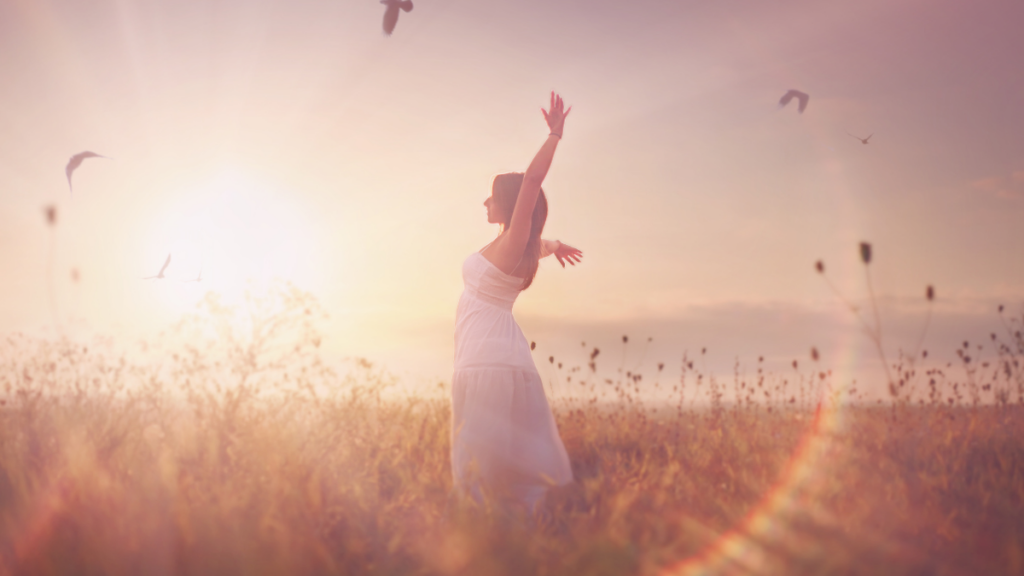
[(504, 437)]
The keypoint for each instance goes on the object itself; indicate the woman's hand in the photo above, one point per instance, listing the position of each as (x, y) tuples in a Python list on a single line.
[(556, 116), (566, 253)]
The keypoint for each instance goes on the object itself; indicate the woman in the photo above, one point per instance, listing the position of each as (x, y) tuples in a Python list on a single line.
[(505, 444)]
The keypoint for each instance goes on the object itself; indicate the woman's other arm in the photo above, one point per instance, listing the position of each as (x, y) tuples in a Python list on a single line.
[(562, 251), (548, 247)]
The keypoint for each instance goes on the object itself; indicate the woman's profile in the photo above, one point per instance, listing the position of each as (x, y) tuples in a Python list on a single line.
[(505, 444)]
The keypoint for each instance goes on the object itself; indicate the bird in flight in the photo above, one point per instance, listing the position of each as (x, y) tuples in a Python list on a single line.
[(391, 14), (76, 161), (161, 273), (863, 140), (803, 98)]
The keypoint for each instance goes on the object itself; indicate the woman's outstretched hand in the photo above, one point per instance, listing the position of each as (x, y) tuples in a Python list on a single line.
[(556, 116), (566, 253)]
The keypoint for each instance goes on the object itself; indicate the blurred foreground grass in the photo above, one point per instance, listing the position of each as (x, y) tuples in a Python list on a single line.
[(240, 453)]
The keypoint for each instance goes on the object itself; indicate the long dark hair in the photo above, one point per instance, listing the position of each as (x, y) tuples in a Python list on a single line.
[(506, 191)]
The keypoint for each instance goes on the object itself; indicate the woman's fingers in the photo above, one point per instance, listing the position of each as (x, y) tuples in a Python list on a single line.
[(570, 255), (556, 112)]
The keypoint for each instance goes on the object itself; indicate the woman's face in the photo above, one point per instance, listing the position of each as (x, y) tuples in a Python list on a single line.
[(494, 215)]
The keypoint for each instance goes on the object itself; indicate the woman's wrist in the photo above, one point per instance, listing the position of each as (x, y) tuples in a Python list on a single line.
[(556, 134)]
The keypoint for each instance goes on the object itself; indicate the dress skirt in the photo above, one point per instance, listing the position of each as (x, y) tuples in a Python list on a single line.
[(505, 442)]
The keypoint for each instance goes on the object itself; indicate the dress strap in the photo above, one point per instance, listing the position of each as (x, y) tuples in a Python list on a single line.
[(481, 251)]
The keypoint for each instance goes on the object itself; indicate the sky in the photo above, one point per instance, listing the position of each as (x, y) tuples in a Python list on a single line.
[(266, 139)]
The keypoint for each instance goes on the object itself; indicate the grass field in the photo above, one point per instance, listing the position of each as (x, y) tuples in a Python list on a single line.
[(241, 453)]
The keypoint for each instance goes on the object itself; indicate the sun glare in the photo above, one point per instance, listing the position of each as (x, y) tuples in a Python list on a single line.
[(228, 233)]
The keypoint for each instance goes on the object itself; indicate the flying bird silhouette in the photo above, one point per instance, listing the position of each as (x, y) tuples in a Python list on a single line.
[(391, 14), (161, 273), (76, 161), (803, 98), (863, 140)]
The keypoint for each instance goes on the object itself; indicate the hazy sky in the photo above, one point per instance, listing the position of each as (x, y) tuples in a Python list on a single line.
[(262, 138)]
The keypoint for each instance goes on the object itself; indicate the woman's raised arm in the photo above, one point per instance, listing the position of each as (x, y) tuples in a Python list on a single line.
[(518, 234)]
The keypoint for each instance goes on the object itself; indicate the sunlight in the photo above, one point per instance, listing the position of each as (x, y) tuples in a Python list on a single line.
[(228, 233)]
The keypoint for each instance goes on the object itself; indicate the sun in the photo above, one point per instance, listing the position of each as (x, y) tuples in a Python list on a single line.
[(230, 233)]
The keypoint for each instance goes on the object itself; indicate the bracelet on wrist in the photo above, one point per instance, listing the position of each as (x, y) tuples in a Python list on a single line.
[(556, 134)]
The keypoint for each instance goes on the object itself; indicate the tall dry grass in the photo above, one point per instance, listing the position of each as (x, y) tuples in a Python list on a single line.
[(228, 447)]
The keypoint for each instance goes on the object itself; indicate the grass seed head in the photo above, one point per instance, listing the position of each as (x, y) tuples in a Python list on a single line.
[(929, 293), (865, 252), (820, 267)]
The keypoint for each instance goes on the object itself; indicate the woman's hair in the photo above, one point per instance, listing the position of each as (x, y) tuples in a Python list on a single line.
[(505, 191)]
